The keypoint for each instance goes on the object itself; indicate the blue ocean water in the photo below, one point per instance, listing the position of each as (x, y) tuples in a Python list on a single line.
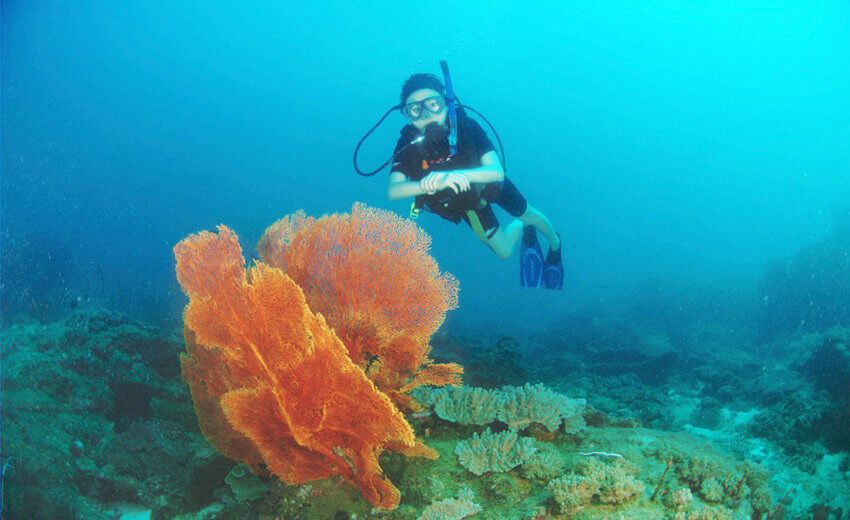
[(694, 156), (679, 140)]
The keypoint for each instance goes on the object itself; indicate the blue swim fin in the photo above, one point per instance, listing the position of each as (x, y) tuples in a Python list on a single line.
[(553, 270), (530, 259)]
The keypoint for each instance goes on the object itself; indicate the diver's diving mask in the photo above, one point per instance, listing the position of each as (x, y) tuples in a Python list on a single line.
[(426, 107)]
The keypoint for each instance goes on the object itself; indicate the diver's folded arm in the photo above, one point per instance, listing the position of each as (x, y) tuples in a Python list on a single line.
[(401, 188), (489, 171)]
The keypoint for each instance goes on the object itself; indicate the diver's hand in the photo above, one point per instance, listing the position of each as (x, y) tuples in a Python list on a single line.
[(457, 181), (429, 183), (437, 181)]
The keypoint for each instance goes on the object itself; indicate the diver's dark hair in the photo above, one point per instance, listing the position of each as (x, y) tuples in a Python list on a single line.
[(420, 81)]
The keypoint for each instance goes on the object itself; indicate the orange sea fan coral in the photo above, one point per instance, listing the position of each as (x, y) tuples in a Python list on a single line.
[(272, 383), (369, 273)]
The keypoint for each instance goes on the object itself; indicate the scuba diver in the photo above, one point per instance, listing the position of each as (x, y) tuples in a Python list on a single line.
[(447, 163)]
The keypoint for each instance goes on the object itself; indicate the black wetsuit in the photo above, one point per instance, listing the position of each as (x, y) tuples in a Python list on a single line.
[(422, 158)]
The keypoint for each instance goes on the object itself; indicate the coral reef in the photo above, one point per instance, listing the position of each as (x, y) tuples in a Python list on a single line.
[(63, 381), (94, 412)]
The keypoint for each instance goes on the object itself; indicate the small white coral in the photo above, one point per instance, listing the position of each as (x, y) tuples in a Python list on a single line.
[(452, 508), (617, 482), (680, 499), (494, 451), (621, 490), (711, 490), (545, 465), (608, 483), (573, 491)]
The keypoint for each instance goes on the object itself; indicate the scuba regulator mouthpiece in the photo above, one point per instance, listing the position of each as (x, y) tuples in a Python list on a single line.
[(435, 132), (435, 144)]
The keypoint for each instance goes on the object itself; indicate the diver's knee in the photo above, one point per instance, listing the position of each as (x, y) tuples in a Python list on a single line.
[(498, 247), (530, 216), (502, 252)]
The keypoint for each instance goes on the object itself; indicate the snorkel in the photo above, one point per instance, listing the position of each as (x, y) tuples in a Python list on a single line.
[(451, 104)]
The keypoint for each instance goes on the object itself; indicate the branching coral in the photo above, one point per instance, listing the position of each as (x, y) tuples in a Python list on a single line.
[(617, 482), (545, 465), (572, 491), (272, 383), (370, 275), (711, 491), (680, 499)]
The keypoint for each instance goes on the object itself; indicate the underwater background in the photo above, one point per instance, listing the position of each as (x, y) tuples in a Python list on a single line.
[(695, 157)]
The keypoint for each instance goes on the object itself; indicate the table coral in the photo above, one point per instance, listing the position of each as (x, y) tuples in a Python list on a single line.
[(466, 405), (535, 403), (518, 407), (271, 382)]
